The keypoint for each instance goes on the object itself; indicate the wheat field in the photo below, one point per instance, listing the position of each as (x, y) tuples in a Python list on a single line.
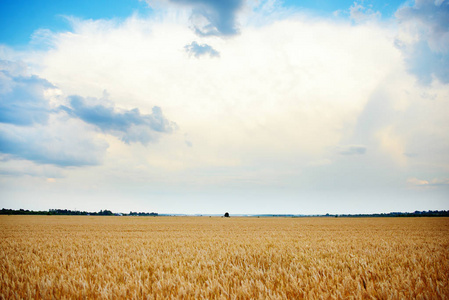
[(84, 257)]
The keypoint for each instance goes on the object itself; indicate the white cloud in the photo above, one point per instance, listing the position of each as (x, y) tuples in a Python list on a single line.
[(359, 13), (290, 86)]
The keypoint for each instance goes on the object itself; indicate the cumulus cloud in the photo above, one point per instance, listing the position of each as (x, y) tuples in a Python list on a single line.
[(424, 39), (22, 99), (198, 50), (213, 17), (33, 129), (129, 125), (351, 149), (259, 107)]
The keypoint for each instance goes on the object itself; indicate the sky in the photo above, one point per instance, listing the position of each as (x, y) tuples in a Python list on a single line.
[(239, 106)]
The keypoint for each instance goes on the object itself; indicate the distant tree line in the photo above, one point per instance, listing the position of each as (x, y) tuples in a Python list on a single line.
[(429, 213), (68, 212), (79, 213), (144, 214), (21, 211)]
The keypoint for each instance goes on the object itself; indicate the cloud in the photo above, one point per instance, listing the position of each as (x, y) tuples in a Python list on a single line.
[(18, 167), (264, 115), (198, 50), (422, 183), (417, 182), (129, 125), (213, 17), (424, 39), (22, 99), (13, 68), (33, 130), (38, 131), (62, 142), (359, 13), (262, 106), (351, 149), (404, 124)]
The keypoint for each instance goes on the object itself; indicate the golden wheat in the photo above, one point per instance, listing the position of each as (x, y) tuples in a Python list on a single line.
[(213, 258)]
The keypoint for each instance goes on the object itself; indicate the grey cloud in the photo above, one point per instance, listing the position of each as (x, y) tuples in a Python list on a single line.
[(14, 68), (428, 54), (64, 144), (22, 99), (351, 149), (128, 125), (213, 17), (198, 50), (425, 64), (31, 130)]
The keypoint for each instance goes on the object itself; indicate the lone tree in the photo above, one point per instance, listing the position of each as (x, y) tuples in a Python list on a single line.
[(226, 215)]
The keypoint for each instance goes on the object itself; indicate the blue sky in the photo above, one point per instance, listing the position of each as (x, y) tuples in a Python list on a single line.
[(19, 19), (386, 8), (204, 106)]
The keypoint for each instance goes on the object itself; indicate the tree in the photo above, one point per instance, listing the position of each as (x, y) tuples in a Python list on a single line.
[(105, 213), (226, 215)]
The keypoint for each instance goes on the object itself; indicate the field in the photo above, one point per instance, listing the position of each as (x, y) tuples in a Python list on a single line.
[(231, 258)]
